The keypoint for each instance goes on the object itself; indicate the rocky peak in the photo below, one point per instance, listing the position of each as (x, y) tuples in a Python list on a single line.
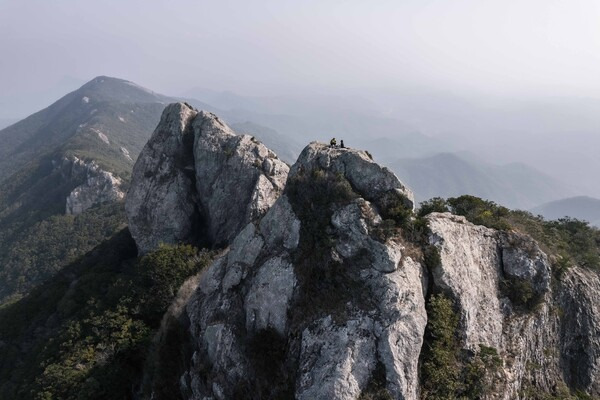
[(316, 280), (197, 181), (237, 177), (374, 182), (319, 295)]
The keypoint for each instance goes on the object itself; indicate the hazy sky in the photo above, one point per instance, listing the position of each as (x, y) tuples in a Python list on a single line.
[(279, 46)]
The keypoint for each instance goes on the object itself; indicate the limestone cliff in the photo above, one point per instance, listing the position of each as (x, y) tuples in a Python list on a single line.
[(322, 293), (196, 181), (99, 186), (340, 303), (551, 341)]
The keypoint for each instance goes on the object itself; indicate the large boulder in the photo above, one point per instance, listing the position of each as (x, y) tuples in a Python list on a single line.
[(237, 178), (197, 182), (162, 203), (378, 184)]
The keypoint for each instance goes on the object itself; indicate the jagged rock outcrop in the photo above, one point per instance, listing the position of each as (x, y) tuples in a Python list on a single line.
[(378, 183), (162, 202), (99, 186), (196, 181), (553, 339), (320, 296), (317, 282), (237, 178)]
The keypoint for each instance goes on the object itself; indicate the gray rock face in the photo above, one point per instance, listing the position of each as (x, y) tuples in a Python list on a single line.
[(99, 186), (261, 290), (196, 181), (161, 204), (366, 176), (579, 301), (539, 348), (470, 271), (237, 178), (317, 297), (267, 301), (336, 361)]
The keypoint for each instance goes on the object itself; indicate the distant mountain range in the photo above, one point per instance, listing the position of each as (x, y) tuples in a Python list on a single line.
[(580, 207), (449, 174)]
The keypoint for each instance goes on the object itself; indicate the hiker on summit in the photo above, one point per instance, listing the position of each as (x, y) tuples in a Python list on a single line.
[(332, 143)]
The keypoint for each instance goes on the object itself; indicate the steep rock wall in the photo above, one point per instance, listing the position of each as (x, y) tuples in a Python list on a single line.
[(551, 341), (196, 181), (329, 340)]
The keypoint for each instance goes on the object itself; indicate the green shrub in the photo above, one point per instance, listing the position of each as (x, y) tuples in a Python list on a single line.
[(441, 365), (432, 258), (327, 285), (104, 308), (521, 293), (396, 207), (569, 240), (435, 204), (447, 372), (480, 212), (163, 271)]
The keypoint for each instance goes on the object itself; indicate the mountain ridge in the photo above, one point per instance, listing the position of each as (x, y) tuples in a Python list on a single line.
[(581, 207), (335, 289), (449, 174)]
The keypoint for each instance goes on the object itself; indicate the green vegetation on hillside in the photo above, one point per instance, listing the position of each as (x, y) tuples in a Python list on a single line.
[(89, 329), (32, 252), (107, 121)]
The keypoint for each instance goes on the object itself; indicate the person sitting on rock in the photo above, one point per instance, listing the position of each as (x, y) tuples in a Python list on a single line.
[(342, 143), (332, 143)]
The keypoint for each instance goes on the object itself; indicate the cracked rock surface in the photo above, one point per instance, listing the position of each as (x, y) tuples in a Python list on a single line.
[(198, 182), (329, 340), (317, 293)]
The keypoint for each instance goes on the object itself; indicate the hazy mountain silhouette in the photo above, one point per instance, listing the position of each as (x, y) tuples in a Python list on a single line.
[(580, 207), (448, 175)]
